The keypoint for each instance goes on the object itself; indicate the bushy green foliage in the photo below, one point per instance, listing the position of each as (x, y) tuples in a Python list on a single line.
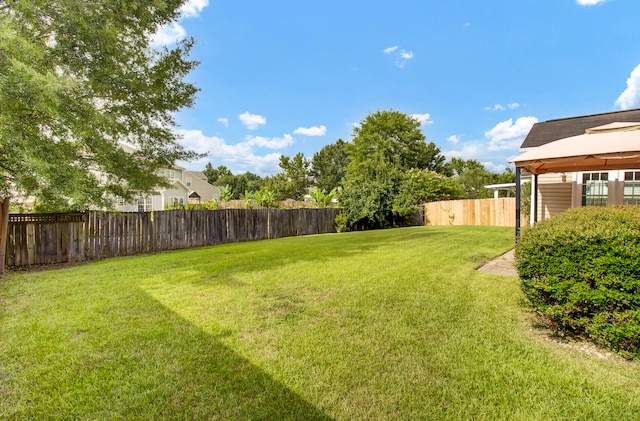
[(293, 181), (329, 165), (581, 273), (423, 186), (385, 147), (76, 79), (342, 222)]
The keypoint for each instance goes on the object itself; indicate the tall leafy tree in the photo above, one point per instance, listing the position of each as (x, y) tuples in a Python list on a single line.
[(329, 165), (77, 78), (423, 186), (293, 181), (215, 174), (385, 146), (394, 137), (240, 183), (369, 193)]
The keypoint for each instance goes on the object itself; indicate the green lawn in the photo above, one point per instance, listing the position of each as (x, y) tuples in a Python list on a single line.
[(392, 324)]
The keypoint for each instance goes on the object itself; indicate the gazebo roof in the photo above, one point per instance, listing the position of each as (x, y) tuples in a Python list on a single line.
[(611, 146)]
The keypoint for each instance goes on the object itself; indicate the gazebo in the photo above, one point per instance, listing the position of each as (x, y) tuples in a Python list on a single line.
[(613, 146)]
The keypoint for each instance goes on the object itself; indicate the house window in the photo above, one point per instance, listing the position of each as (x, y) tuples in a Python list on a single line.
[(145, 204), (631, 188), (188, 181), (171, 173), (176, 200), (595, 189)]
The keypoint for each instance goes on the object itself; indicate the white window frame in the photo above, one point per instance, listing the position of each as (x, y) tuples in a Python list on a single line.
[(144, 203), (598, 183), (631, 188)]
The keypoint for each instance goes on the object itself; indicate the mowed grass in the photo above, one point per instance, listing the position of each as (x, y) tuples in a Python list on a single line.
[(392, 324)]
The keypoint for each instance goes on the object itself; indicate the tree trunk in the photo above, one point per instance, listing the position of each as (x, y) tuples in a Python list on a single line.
[(4, 225)]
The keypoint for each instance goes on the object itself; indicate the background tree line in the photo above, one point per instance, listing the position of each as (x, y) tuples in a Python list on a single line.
[(381, 177)]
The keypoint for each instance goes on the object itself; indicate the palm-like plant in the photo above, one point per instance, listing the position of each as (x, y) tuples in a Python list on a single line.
[(264, 198), (225, 195), (322, 199), (248, 197)]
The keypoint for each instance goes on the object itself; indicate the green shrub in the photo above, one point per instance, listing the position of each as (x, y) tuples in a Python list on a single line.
[(342, 222), (581, 273)]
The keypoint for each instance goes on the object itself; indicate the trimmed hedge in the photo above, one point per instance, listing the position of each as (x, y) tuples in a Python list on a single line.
[(581, 273)]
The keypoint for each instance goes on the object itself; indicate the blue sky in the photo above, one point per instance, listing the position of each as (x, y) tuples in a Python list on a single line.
[(288, 76)]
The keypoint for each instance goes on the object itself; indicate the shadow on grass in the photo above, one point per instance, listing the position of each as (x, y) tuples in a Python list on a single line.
[(135, 359)]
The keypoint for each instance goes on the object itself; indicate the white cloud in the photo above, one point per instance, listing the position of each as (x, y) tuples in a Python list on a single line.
[(407, 55), (401, 56), (168, 34), (192, 8), (630, 98), (223, 120), (422, 118), (490, 166), (311, 131), (242, 156), (270, 143), (500, 107), (252, 121), (589, 2), (454, 139), (467, 150), (173, 32), (509, 135), (404, 57)]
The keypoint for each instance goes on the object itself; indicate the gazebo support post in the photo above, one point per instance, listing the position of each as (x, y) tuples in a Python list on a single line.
[(518, 176), (534, 187)]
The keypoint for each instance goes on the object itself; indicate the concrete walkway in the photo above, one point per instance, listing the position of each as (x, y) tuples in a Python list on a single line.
[(501, 265)]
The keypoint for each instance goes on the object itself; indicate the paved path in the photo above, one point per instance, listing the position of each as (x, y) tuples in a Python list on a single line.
[(501, 265)]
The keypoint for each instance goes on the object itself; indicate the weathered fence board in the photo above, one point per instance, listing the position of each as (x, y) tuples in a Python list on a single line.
[(487, 212), (38, 239)]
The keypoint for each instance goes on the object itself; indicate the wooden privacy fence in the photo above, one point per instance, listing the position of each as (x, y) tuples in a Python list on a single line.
[(488, 212), (37, 239)]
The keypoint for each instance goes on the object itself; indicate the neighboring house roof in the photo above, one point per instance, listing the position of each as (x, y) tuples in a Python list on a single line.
[(552, 130), (198, 174)]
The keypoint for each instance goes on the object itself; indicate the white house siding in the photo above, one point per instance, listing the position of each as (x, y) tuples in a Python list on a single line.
[(554, 194), (176, 191)]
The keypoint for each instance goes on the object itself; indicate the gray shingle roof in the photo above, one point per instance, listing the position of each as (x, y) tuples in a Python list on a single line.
[(551, 130)]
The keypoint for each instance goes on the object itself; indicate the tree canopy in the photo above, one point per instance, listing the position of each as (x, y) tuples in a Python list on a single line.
[(385, 147), (293, 181), (78, 78), (329, 165), (394, 137)]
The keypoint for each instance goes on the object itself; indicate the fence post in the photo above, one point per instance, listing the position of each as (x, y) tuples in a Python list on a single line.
[(4, 226)]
